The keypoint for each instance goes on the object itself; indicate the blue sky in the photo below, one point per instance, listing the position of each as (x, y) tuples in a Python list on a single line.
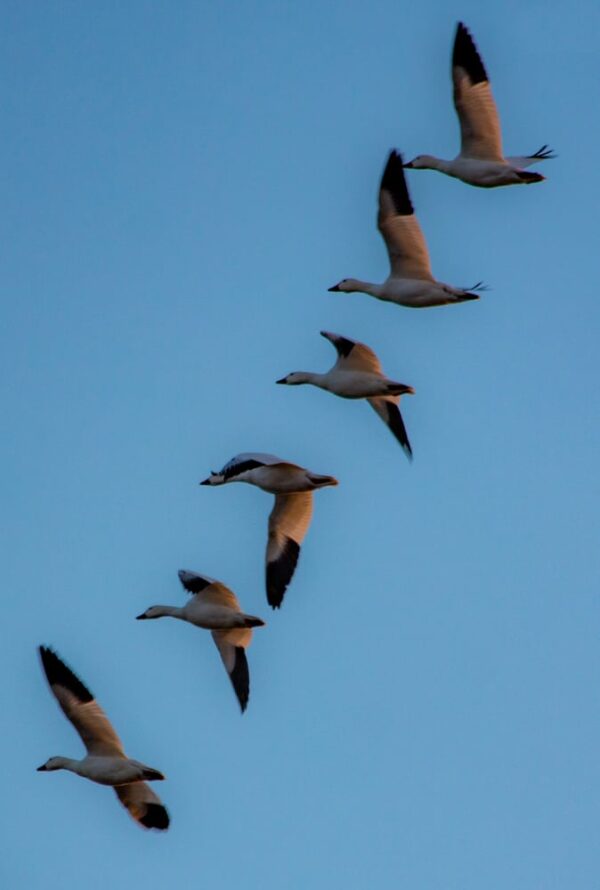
[(182, 182)]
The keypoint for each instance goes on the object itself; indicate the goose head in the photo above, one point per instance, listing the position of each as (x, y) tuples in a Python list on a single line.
[(346, 286), (213, 479), (51, 764), (152, 612), (422, 162), (296, 378)]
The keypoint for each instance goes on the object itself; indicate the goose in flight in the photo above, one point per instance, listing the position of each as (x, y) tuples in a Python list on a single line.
[(410, 282), (290, 517), (216, 608), (481, 160), (106, 761), (357, 374)]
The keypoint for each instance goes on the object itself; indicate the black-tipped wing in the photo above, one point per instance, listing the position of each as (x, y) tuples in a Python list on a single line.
[(80, 707), (352, 355), (192, 582), (477, 113), (388, 410), (288, 524), (465, 56), (231, 645), (209, 590), (399, 226), (143, 805)]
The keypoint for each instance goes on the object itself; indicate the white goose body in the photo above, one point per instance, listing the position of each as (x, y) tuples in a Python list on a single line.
[(290, 517), (410, 282), (104, 770), (357, 374), (481, 160), (106, 762), (215, 607)]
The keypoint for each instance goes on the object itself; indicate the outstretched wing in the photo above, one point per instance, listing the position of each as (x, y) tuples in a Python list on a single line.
[(143, 804), (352, 355), (477, 113), (399, 226), (209, 590), (288, 524), (388, 410), (231, 645), (80, 707)]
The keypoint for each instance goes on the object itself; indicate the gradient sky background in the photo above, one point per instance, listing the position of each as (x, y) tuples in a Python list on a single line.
[(181, 184)]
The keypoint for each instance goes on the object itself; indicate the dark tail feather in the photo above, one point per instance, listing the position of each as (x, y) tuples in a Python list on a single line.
[(251, 621), (543, 154), (153, 775), (322, 481), (528, 177)]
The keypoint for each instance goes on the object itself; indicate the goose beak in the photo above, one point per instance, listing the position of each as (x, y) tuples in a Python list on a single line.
[(283, 380), (42, 769), (205, 481), (140, 617), (408, 391), (408, 166), (333, 289)]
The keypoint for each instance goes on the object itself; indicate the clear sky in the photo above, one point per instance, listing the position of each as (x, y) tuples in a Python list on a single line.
[(181, 184)]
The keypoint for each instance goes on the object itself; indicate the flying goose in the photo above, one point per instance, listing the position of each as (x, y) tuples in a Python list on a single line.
[(410, 282), (290, 517), (216, 608), (357, 374), (105, 761), (481, 161)]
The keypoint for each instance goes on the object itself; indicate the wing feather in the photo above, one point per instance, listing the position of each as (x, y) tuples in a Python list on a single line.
[(407, 249), (208, 590), (143, 805), (352, 355), (231, 645), (387, 408), (481, 136), (80, 707), (288, 524)]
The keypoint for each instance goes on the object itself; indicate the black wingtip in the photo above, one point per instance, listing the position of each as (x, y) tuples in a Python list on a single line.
[(191, 582), (280, 571), (240, 677), (343, 345), (465, 55), (156, 816), (57, 673), (393, 181), (396, 425)]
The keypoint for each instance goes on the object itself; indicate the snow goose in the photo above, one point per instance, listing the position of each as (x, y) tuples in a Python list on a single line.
[(292, 486), (105, 762), (410, 282), (481, 161), (216, 608), (357, 374)]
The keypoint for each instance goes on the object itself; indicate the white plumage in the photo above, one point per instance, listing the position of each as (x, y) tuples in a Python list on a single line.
[(357, 374), (106, 761), (410, 282), (215, 607), (290, 517), (481, 160)]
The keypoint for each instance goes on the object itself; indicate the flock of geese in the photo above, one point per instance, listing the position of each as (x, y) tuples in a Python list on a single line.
[(356, 374)]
